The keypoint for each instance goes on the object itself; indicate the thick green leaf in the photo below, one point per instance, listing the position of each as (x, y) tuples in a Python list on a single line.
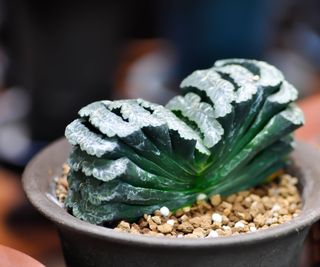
[(280, 125), (220, 92), (186, 142), (131, 133), (266, 74), (257, 165), (201, 113), (94, 144), (123, 168), (229, 130)]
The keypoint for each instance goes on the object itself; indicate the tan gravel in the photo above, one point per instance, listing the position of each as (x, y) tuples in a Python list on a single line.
[(252, 210), (62, 183), (247, 211)]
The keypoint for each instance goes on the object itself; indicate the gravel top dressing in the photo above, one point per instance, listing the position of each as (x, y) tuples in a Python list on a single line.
[(252, 210)]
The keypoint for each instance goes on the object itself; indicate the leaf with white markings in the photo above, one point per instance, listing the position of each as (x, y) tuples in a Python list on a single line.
[(229, 130)]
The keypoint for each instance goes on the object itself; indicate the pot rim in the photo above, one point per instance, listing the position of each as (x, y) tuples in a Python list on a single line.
[(43, 203)]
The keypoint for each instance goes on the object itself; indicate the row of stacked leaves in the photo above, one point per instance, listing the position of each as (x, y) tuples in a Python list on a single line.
[(228, 130)]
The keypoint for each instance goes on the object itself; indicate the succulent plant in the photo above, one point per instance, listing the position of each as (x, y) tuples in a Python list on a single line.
[(228, 131)]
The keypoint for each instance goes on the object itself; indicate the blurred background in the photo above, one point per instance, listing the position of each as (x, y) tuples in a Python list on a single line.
[(57, 56)]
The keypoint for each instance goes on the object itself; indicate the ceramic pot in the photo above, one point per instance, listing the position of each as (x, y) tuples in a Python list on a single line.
[(86, 245)]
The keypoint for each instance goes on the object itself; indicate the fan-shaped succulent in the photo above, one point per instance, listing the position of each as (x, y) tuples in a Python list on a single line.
[(228, 130)]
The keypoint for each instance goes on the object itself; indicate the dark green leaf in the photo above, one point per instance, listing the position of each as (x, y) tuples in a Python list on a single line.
[(229, 130)]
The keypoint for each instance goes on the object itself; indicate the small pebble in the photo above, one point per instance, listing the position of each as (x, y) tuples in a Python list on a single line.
[(186, 209), (215, 200), (124, 226), (199, 232), (171, 222), (276, 207), (231, 198), (216, 217), (239, 225), (152, 225), (165, 228), (164, 211), (184, 218), (196, 221), (212, 234), (201, 196), (156, 219), (185, 227), (259, 220)]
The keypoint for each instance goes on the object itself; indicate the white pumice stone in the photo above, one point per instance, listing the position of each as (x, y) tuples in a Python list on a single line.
[(239, 225), (216, 217), (171, 222), (252, 229), (276, 207), (212, 234), (164, 211), (55, 200), (202, 196)]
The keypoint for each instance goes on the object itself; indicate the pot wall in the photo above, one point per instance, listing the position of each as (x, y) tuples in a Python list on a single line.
[(84, 251)]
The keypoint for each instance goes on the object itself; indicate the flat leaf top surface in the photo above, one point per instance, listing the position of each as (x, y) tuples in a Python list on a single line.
[(230, 129)]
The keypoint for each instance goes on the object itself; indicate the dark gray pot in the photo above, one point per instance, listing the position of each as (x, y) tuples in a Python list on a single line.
[(87, 245)]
